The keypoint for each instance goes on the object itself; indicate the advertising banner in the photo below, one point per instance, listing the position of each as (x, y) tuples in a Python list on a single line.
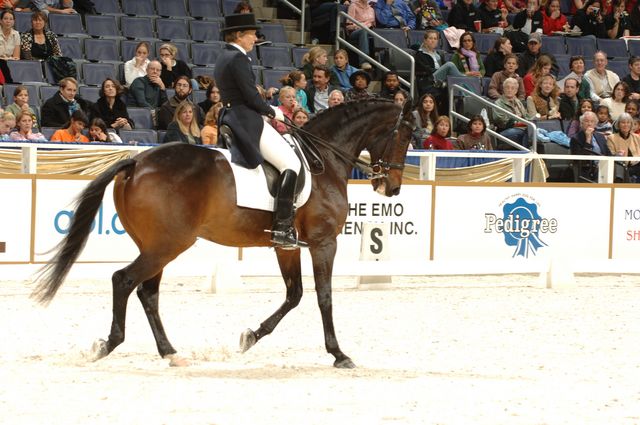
[(511, 222), (15, 220), (626, 224)]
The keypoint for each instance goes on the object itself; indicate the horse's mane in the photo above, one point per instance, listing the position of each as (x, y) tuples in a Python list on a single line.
[(344, 113)]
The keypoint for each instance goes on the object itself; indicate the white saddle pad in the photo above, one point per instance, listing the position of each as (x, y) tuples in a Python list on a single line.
[(251, 185)]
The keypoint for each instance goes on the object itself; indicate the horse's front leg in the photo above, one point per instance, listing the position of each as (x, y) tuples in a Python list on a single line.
[(289, 262), (322, 258)]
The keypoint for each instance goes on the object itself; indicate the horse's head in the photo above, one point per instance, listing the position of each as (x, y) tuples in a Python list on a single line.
[(389, 152)]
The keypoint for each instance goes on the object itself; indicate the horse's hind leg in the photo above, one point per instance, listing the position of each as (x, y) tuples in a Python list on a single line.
[(322, 258), (289, 261)]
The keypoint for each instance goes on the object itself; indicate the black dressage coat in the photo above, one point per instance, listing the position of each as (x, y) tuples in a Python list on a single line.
[(244, 106)]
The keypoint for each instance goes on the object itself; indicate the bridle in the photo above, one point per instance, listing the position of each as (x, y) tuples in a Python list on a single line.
[(373, 170)]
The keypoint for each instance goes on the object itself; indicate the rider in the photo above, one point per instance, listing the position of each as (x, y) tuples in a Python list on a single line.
[(255, 141)]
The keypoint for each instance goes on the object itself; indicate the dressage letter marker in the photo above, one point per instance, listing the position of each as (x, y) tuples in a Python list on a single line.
[(3, 247), (374, 247)]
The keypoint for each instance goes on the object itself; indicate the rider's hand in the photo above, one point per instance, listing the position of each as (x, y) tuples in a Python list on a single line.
[(278, 113)]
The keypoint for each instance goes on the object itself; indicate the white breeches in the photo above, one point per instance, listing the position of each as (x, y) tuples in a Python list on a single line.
[(277, 151)]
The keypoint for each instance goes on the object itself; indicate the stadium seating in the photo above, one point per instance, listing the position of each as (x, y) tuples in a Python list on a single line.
[(94, 74), (202, 70), (47, 92), (71, 47), (207, 9), (275, 56), (485, 42), (47, 132), (616, 48), (141, 117), (108, 7), (23, 21), (89, 93), (275, 33), (394, 36), (297, 54), (553, 45), (9, 88), (172, 29), (102, 49), (205, 30), (139, 7), (67, 24), (172, 8), (271, 77), (142, 136), (102, 26), (584, 46), (24, 71), (137, 27)]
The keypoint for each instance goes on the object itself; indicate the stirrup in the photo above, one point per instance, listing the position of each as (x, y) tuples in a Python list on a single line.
[(286, 239)]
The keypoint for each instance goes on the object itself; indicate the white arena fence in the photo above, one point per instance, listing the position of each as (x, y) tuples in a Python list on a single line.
[(431, 228)]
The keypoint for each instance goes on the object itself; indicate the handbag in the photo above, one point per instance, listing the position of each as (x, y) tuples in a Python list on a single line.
[(62, 67)]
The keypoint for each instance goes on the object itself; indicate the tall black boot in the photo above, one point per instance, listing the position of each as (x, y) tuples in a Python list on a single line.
[(283, 233)]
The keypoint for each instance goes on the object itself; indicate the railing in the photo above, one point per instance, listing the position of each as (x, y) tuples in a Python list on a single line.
[(412, 75), (295, 9), (533, 129)]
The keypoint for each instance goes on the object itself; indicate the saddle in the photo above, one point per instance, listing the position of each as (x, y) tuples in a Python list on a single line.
[(226, 139)]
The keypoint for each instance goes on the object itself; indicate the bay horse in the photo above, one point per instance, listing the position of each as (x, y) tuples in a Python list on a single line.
[(170, 195)]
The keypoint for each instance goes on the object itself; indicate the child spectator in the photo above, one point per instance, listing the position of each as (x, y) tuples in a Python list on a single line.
[(212, 98), (209, 132), (360, 86), (9, 119), (72, 132), (476, 137), (21, 104), (542, 66), (438, 139), (632, 108), (300, 117), (98, 132), (509, 71), (25, 128), (636, 125), (341, 68), (298, 81), (605, 123)]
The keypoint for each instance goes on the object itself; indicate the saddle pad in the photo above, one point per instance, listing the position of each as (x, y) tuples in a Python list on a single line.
[(251, 185)]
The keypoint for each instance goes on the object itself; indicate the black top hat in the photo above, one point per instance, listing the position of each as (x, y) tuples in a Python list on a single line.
[(352, 77), (240, 22)]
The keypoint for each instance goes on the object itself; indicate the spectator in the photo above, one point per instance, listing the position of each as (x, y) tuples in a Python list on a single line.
[(300, 117), (632, 108), (25, 131), (390, 85), (432, 69), (541, 67), (494, 62), (110, 108), (184, 127), (425, 114), (212, 98), (543, 102), (588, 141), (529, 57), (617, 103), (510, 127), (576, 65), (395, 14), (569, 102), (148, 91), (209, 132), (21, 104), (600, 78), (287, 98), (589, 20), (316, 56), (514, 6), (617, 22), (5, 130), (298, 81), (137, 66), (439, 135), (633, 78), (341, 68), (493, 19), (172, 68), (167, 109), (552, 18), (526, 22), (64, 7), (9, 119), (497, 81), (318, 91), (586, 105), (427, 14), (39, 42), (9, 42), (626, 143), (335, 98), (462, 15), (59, 107), (476, 137), (634, 17), (401, 97), (361, 11), (360, 86), (72, 130), (245, 7), (98, 132), (466, 58), (605, 123)]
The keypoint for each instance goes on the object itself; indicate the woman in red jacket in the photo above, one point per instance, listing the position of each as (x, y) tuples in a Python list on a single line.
[(552, 19)]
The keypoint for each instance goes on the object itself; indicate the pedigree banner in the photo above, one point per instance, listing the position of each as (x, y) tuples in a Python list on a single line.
[(626, 224), (54, 210), (521, 222), (15, 220)]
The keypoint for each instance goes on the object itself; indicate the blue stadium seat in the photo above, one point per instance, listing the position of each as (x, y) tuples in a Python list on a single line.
[(619, 66), (584, 46), (93, 74), (271, 77), (143, 136), (71, 47), (205, 8), (62, 24), (108, 7), (415, 37), (275, 56), (228, 6), (102, 49), (205, 30), (553, 45), (394, 36), (275, 33), (172, 29), (34, 93), (199, 96), (205, 53), (616, 48), (550, 125), (484, 42), (139, 7), (402, 63), (202, 70), (24, 71), (136, 27), (563, 65), (47, 92), (297, 53), (128, 49), (183, 47), (172, 8), (23, 21), (47, 132), (141, 117), (470, 83), (161, 134), (634, 47), (89, 93), (485, 85), (102, 26)]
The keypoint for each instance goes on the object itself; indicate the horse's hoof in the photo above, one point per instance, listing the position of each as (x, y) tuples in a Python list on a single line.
[(247, 340), (345, 363), (98, 350), (177, 361)]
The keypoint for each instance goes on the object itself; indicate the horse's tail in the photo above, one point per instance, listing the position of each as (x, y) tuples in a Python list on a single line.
[(53, 274)]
